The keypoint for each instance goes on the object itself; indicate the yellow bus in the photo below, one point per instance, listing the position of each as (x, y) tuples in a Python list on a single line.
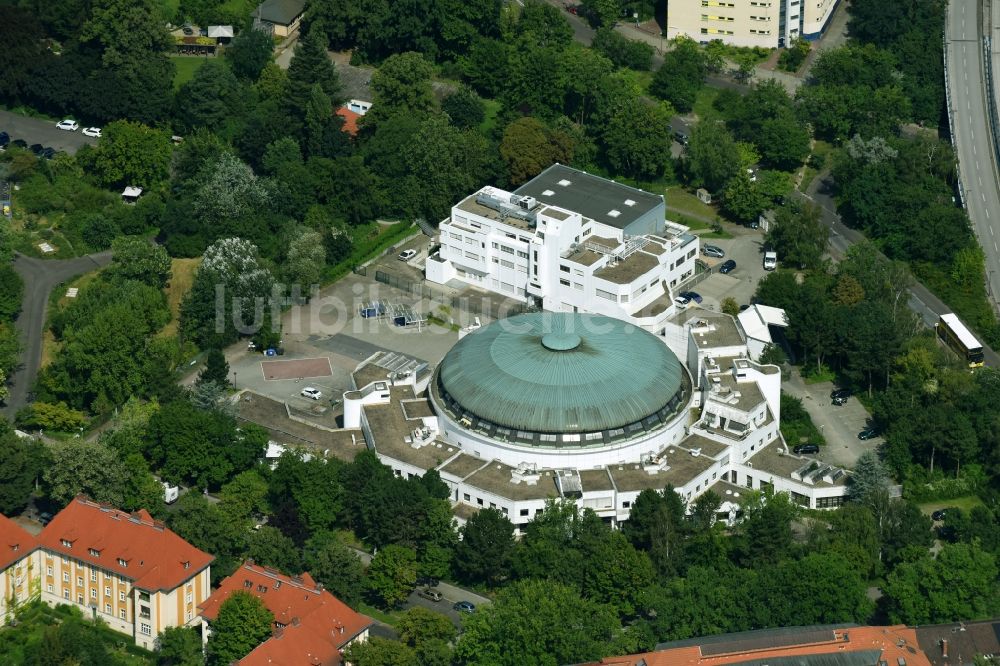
[(954, 334)]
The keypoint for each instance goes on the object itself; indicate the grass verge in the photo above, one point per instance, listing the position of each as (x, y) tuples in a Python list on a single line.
[(181, 277), (185, 67), (966, 504)]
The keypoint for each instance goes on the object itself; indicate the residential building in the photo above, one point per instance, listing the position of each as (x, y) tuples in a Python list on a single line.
[(569, 241), (18, 567), (127, 569), (311, 626), (764, 23), (827, 645), (279, 17)]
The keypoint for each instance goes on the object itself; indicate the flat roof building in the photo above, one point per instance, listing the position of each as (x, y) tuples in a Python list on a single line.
[(769, 24)]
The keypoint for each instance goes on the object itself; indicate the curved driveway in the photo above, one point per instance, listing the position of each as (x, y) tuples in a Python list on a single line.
[(40, 277), (45, 132)]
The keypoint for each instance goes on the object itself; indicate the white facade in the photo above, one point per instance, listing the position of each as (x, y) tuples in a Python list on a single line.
[(522, 248), (764, 23)]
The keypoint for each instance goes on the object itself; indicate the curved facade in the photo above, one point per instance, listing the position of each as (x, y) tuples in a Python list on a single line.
[(561, 389)]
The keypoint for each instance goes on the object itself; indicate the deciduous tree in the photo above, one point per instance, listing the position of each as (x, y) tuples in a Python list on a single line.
[(242, 624), (392, 575)]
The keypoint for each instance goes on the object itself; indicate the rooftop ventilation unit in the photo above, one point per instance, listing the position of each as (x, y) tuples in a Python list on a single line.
[(513, 209)]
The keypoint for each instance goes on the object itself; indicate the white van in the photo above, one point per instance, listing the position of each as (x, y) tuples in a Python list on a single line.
[(170, 493), (770, 261)]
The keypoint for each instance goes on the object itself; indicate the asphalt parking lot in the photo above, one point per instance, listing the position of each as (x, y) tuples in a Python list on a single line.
[(745, 248), (39, 130)]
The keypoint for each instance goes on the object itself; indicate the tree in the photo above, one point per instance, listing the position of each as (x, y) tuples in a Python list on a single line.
[(52, 416), (392, 574), (306, 495), (78, 466), (870, 477), (465, 108), (266, 545), (538, 622), (336, 566), (310, 66), (730, 306), (419, 626), (135, 258), (179, 646), (959, 584), (306, 258), (798, 234), (210, 97), (743, 200), (131, 154), (21, 464), (249, 52), (712, 156), (604, 12), (208, 527), (528, 147), (615, 573), (242, 624), (22, 36), (401, 85), (378, 651), (637, 140), (622, 51), (783, 142), (681, 76), (484, 552), (232, 190), (11, 293), (216, 368)]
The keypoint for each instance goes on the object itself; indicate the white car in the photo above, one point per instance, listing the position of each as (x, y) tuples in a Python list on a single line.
[(406, 255), (681, 301), (94, 132), (310, 392), (68, 125)]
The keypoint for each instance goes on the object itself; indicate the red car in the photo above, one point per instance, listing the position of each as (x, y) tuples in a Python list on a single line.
[(572, 9)]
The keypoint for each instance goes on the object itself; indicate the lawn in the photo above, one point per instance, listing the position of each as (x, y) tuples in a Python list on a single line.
[(181, 278), (703, 104), (186, 66), (681, 201), (490, 119), (169, 9), (820, 156), (966, 504)]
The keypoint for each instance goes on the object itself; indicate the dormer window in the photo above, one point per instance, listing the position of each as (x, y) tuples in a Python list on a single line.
[(66, 543), (15, 547), (247, 584), (122, 562), (94, 552), (187, 565)]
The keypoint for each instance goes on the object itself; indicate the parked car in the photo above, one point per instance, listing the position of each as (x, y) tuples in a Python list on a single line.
[(727, 267), (430, 593), (69, 125), (4, 140), (868, 433), (692, 296), (427, 581), (187, 30), (406, 255), (682, 138), (770, 260), (840, 396), (313, 393), (941, 513), (19, 143), (681, 301), (713, 251), (464, 606), (48, 153), (45, 518), (93, 132), (806, 448), (37, 148)]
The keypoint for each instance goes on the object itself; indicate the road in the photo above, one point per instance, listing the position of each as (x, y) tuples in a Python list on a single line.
[(39, 130), (927, 306), (971, 128), (40, 277)]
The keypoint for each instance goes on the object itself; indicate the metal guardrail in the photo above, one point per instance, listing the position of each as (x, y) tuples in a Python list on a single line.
[(991, 104), (951, 117)]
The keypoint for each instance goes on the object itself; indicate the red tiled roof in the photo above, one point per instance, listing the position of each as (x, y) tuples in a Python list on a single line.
[(154, 557), (893, 643), (317, 625), (15, 542), (350, 120)]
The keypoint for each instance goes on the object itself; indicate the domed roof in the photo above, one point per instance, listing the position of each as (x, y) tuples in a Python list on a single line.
[(561, 373)]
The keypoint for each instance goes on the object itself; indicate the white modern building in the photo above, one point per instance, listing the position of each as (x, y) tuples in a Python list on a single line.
[(765, 23), (568, 241)]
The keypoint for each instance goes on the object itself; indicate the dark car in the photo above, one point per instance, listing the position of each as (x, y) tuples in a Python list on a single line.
[(727, 266), (682, 138), (691, 296), (840, 396), (20, 143), (37, 148), (4, 140), (868, 433), (45, 518), (464, 606), (806, 448), (941, 513), (947, 533), (427, 581), (187, 30), (48, 153)]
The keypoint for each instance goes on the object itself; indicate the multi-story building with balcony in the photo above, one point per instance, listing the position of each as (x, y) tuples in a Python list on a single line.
[(127, 569), (568, 241), (765, 23)]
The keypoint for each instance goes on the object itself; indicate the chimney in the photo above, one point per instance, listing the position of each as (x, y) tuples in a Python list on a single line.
[(295, 621), (944, 648)]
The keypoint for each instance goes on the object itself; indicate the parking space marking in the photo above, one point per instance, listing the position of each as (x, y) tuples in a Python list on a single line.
[(296, 368)]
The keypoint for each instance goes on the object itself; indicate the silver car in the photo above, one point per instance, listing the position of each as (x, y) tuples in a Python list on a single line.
[(712, 251)]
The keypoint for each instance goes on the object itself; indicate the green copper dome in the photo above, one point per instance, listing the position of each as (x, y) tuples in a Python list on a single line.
[(561, 373)]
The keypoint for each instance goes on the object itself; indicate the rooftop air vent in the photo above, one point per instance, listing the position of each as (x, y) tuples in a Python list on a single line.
[(547, 193), (614, 213), (629, 202), (565, 183)]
